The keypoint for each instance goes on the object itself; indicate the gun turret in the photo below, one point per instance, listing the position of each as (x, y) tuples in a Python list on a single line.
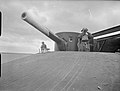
[(67, 41)]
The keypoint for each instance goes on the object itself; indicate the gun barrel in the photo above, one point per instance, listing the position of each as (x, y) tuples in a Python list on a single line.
[(34, 21)]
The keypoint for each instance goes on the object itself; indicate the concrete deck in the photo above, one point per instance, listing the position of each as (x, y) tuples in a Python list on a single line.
[(62, 71)]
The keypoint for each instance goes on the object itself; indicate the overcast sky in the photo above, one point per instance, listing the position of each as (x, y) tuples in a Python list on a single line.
[(58, 16)]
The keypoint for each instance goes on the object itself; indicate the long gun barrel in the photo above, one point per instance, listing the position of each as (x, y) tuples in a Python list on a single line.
[(31, 19)]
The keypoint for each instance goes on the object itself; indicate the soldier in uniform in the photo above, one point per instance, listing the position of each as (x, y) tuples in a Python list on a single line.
[(84, 40), (43, 47)]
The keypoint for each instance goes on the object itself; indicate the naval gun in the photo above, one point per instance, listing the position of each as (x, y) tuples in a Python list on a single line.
[(64, 41), (67, 41)]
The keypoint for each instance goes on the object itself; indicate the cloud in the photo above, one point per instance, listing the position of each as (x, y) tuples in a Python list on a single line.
[(42, 17), (10, 43)]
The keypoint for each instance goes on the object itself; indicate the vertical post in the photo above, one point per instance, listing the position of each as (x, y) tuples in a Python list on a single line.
[(0, 35), (0, 22)]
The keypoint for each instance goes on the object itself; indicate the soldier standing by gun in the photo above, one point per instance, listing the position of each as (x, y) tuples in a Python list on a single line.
[(84, 40), (43, 47)]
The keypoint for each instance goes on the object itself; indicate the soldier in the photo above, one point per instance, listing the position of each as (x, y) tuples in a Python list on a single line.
[(43, 47), (84, 40)]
